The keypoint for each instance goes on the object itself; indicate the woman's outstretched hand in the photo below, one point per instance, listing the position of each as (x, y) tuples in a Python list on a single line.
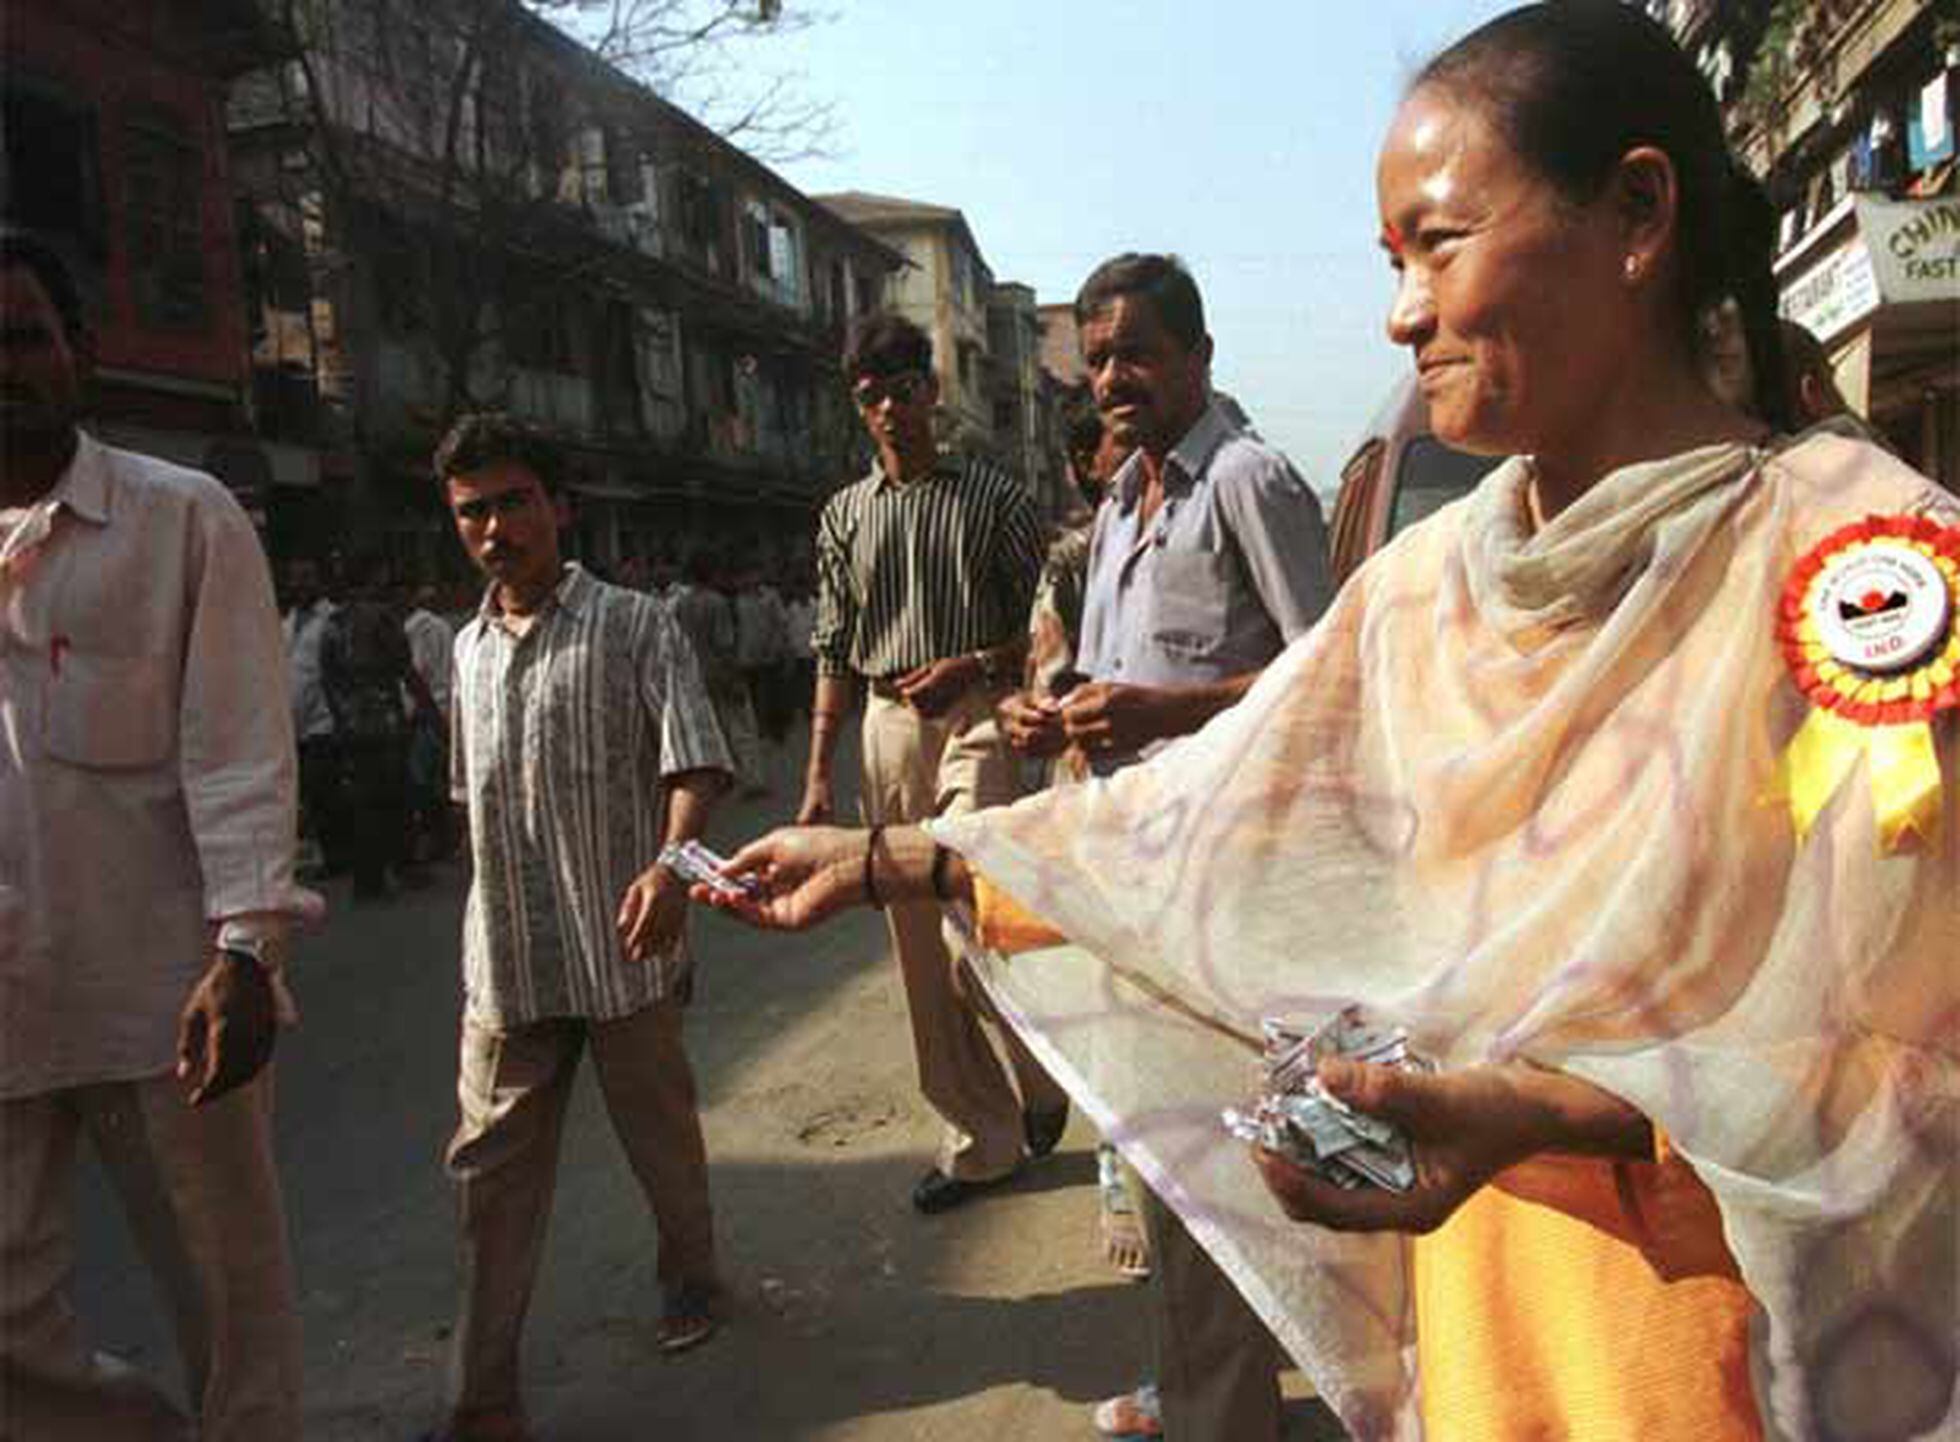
[(801, 875)]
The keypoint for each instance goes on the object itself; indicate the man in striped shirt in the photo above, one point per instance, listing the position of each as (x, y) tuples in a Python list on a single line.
[(926, 568), (582, 739)]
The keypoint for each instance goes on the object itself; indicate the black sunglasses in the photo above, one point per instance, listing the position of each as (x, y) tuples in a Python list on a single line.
[(874, 391)]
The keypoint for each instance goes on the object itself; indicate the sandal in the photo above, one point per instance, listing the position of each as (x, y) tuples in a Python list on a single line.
[(687, 1317), (1131, 1417)]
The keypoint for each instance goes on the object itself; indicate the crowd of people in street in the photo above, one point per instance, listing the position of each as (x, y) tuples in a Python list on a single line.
[(1545, 786), (369, 666)]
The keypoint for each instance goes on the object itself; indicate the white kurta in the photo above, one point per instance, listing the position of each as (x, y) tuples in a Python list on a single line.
[(146, 762)]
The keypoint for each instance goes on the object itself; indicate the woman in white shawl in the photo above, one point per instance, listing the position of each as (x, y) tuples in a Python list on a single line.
[(1570, 784)]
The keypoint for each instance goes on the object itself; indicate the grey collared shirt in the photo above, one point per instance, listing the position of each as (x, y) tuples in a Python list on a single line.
[(1231, 568)]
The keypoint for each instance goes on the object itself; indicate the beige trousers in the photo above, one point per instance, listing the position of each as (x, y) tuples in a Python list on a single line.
[(512, 1088), (914, 769), (202, 1197), (1217, 1365)]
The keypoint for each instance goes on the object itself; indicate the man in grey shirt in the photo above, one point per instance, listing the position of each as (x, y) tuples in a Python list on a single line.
[(1209, 555), (1208, 558)]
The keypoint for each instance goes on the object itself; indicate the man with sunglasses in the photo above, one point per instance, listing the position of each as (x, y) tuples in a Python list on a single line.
[(926, 567)]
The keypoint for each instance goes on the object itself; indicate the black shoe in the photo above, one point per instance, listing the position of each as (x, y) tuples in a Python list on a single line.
[(1044, 1129), (937, 1192)]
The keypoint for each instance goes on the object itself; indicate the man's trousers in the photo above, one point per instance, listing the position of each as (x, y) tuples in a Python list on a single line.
[(202, 1197), (1217, 1365), (914, 769), (512, 1088)]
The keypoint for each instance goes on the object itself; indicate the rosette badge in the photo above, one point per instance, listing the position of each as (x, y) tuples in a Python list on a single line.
[(1870, 628)]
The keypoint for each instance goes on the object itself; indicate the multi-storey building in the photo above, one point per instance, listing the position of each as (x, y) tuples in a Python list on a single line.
[(114, 150), (945, 290), (452, 204), (1845, 108), (1061, 344), (1026, 397)]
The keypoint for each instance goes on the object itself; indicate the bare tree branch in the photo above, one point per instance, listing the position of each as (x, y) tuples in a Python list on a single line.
[(700, 54), (437, 135)]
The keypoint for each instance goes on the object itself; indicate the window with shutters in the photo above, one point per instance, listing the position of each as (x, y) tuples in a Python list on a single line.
[(163, 216), (701, 218), (755, 239), (785, 263), (51, 180)]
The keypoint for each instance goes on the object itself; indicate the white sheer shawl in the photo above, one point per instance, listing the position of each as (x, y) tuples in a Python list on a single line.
[(1517, 791)]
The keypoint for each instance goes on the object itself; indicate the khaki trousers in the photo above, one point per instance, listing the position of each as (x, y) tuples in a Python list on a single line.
[(202, 1197), (1217, 1365), (512, 1088), (915, 769)]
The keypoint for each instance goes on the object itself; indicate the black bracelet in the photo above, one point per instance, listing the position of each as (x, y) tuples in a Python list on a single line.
[(870, 881), (940, 856)]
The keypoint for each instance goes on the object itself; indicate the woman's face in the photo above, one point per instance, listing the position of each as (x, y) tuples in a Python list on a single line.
[(1508, 295)]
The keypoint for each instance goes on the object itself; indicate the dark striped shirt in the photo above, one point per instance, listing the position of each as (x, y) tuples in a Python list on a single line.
[(940, 566), (562, 738)]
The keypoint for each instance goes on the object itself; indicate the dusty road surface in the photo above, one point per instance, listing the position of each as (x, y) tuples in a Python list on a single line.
[(852, 1319)]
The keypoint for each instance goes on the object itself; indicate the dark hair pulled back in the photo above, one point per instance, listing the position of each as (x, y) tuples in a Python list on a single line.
[(1572, 86)]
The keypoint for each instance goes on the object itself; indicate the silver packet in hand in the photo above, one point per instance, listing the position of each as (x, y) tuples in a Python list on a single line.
[(1296, 1118), (695, 863)]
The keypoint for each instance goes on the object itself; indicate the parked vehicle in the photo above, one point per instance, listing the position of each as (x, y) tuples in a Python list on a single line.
[(1398, 474)]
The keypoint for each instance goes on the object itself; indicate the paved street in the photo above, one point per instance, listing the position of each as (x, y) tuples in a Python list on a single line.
[(852, 1318)]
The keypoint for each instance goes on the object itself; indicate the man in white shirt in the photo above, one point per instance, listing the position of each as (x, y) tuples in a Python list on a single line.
[(431, 643), (701, 608), (146, 858), (319, 760), (800, 620), (761, 648)]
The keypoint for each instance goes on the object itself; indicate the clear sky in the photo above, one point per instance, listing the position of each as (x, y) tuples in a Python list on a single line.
[(1242, 138)]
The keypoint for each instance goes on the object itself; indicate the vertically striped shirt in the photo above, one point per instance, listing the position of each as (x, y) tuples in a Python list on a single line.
[(939, 566), (561, 740)]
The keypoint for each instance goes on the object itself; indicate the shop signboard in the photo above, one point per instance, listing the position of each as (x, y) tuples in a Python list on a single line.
[(1901, 252), (1836, 293), (1915, 247)]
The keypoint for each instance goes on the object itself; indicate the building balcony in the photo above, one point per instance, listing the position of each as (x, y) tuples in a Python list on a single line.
[(635, 227), (1811, 93), (555, 401)]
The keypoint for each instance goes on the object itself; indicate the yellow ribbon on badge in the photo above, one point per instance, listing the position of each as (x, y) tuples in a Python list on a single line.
[(1901, 764), (1869, 625), (1905, 777)]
